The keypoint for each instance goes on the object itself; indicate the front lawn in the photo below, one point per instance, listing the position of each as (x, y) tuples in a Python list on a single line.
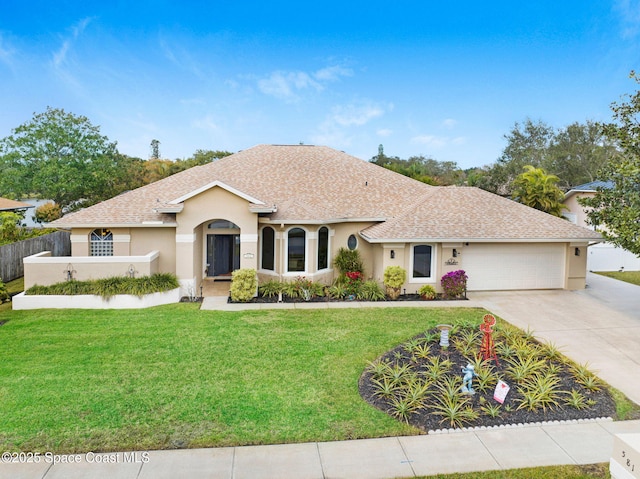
[(632, 277), (175, 376)]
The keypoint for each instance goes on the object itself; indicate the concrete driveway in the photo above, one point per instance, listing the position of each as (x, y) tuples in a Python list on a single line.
[(599, 325)]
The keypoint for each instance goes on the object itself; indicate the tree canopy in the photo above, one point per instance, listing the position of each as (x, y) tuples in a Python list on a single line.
[(616, 211), (421, 168), (62, 157), (574, 154)]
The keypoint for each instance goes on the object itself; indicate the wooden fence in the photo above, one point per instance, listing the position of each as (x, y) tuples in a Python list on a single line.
[(11, 255)]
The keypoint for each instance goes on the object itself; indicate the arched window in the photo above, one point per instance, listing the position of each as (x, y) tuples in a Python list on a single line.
[(101, 243), (268, 248), (296, 246), (323, 248), (422, 261)]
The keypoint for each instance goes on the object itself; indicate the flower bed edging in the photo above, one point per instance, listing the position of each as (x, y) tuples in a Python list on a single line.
[(82, 301)]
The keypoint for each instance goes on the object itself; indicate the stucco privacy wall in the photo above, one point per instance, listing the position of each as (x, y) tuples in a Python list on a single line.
[(44, 270), (212, 204), (577, 255)]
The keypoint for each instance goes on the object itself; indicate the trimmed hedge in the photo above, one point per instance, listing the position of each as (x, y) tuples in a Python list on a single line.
[(108, 287)]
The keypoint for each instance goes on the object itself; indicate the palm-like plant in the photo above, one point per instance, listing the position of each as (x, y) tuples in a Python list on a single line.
[(538, 189)]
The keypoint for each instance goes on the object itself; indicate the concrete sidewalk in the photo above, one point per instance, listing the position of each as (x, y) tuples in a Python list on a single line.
[(395, 457), (583, 324)]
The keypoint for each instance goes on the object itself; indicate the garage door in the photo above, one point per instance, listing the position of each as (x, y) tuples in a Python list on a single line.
[(514, 266)]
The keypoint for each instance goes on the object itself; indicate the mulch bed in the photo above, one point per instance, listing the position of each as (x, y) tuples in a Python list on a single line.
[(328, 299), (426, 420)]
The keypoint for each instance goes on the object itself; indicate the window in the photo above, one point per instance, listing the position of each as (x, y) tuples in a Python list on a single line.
[(268, 248), (352, 242), (422, 261), (101, 243), (223, 224), (296, 249), (323, 248)]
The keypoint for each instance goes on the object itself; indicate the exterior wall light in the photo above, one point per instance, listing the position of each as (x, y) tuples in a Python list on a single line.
[(393, 254)]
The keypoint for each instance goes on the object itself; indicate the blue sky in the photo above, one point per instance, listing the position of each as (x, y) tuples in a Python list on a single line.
[(441, 79)]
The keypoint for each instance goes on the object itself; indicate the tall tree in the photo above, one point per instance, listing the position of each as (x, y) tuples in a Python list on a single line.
[(577, 152), (616, 211), (63, 157), (538, 189), (527, 144), (155, 149)]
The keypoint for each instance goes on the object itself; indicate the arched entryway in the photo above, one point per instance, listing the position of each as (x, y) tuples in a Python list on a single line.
[(222, 248)]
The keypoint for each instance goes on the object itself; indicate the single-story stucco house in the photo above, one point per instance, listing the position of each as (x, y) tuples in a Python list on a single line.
[(604, 256), (285, 210)]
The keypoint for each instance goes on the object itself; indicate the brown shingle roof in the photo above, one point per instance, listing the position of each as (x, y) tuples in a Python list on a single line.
[(320, 184), (466, 213), (7, 204)]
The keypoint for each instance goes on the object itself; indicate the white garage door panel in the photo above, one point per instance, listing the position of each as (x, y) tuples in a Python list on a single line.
[(510, 266)]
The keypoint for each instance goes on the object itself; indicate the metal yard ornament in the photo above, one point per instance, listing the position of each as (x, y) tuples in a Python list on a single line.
[(488, 349)]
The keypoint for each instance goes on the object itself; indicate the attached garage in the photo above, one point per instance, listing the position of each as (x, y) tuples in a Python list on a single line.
[(504, 266)]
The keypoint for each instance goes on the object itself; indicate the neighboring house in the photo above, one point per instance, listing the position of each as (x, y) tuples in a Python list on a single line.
[(604, 256), (286, 210), (14, 206)]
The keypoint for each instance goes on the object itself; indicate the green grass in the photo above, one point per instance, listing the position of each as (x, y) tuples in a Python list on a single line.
[(175, 376), (632, 277), (591, 471), (15, 286)]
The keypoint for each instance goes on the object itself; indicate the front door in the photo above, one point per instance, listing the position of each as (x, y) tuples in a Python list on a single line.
[(223, 254)]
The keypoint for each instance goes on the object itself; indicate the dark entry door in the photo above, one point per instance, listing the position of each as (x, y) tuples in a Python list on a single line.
[(223, 254)]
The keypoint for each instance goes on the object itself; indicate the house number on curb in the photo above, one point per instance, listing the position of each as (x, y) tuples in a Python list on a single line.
[(628, 463)]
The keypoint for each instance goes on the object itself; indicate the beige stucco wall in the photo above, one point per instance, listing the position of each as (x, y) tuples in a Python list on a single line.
[(199, 211), (578, 210), (576, 266), (144, 240), (42, 269)]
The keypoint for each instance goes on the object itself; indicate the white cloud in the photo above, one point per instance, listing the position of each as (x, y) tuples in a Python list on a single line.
[(332, 73), (384, 132), (60, 56), (356, 114), (288, 85), (6, 53), (629, 12), (206, 123), (449, 123), (438, 141)]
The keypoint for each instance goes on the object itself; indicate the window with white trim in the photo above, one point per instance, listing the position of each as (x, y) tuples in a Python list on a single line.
[(296, 250), (422, 263), (268, 248), (101, 243)]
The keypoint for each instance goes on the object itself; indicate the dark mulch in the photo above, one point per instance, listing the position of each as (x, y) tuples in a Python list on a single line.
[(426, 420), (328, 299)]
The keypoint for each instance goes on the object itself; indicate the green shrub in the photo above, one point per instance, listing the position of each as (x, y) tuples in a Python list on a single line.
[(370, 291), (303, 288), (394, 278), (244, 284), (108, 287), (4, 294), (427, 292), (348, 261), (271, 288)]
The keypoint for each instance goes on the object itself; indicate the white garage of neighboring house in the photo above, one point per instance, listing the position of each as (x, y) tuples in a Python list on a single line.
[(286, 210), (602, 256)]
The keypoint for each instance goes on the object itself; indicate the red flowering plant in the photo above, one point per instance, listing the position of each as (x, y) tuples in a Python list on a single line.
[(454, 283), (354, 282)]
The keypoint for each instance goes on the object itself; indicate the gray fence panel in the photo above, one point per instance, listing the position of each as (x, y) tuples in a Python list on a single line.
[(11, 255)]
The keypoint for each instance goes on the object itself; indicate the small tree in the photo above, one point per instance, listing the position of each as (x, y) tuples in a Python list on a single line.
[(10, 230), (47, 213), (394, 278)]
